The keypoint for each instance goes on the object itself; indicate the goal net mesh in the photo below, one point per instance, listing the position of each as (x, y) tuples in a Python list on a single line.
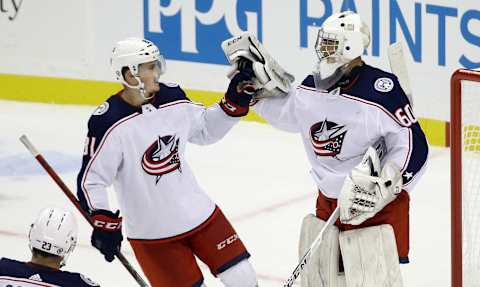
[(470, 97)]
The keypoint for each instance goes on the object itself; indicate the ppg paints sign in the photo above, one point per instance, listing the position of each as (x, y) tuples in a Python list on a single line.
[(406, 20), (192, 30)]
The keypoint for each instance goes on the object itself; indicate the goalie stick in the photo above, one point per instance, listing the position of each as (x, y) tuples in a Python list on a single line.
[(399, 68), (313, 247), (75, 202)]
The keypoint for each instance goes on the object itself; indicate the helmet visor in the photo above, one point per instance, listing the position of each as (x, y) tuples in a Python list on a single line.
[(162, 65), (157, 67)]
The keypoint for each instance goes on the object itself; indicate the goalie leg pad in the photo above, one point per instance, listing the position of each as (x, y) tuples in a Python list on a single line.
[(370, 257), (323, 269)]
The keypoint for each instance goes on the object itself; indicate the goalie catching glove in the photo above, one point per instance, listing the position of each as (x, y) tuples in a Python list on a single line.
[(270, 78), (366, 190)]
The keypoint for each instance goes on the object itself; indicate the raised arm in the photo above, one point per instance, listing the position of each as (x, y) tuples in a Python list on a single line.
[(279, 111), (211, 124)]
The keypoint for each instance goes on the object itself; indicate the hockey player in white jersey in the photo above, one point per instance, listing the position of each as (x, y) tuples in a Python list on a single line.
[(52, 238), (136, 141), (366, 148)]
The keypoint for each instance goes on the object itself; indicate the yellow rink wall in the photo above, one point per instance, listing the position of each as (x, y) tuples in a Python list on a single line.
[(88, 92)]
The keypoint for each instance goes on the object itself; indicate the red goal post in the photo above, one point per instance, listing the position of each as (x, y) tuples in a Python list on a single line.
[(465, 177)]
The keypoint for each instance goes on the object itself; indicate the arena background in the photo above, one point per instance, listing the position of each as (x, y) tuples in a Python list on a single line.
[(58, 50)]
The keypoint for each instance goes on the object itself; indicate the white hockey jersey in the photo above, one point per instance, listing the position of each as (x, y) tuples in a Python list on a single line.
[(337, 126), (141, 152)]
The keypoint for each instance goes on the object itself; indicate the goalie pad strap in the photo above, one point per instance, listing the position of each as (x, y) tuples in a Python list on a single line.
[(370, 257), (323, 268)]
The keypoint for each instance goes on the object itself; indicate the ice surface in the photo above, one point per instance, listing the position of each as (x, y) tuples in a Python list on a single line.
[(257, 175)]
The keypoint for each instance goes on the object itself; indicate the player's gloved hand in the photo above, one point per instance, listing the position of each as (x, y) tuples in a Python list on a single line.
[(107, 232), (240, 91), (244, 64), (365, 192)]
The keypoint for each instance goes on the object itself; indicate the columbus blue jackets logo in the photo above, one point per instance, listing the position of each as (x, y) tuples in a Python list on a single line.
[(327, 138), (161, 157)]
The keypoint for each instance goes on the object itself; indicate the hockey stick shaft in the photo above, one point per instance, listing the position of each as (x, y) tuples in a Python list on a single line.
[(41, 160), (399, 68), (313, 247)]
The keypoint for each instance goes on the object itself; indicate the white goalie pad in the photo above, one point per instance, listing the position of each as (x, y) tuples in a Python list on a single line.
[(323, 269), (366, 190), (370, 257), (270, 78)]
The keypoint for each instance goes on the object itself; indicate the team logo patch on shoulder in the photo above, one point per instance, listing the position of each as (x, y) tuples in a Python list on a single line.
[(88, 280), (384, 85), (100, 110)]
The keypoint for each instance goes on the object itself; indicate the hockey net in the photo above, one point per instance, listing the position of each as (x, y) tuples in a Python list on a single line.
[(465, 177)]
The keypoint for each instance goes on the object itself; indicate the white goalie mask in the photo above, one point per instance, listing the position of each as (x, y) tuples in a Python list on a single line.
[(132, 52), (342, 38), (54, 232)]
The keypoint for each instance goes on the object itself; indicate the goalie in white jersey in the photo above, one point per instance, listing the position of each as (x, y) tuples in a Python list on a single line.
[(136, 141), (341, 110)]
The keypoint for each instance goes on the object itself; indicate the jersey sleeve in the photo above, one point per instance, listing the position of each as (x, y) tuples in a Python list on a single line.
[(102, 157), (208, 125), (279, 111), (405, 140), (409, 150), (2, 268)]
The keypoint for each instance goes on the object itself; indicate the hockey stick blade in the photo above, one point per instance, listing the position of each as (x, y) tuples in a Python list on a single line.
[(41, 160), (313, 247)]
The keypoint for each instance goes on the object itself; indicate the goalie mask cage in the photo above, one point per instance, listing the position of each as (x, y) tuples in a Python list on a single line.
[(465, 178)]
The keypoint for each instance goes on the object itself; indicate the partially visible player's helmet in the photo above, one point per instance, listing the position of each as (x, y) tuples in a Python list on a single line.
[(342, 38), (54, 232), (132, 52)]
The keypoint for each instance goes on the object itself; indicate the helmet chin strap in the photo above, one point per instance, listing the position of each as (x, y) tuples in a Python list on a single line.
[(140, 87)]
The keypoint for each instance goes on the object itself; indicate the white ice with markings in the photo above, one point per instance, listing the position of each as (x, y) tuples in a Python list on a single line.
[(257, 175)]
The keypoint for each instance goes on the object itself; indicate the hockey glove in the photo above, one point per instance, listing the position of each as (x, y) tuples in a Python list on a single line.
[(240, 91), (107, 233)]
